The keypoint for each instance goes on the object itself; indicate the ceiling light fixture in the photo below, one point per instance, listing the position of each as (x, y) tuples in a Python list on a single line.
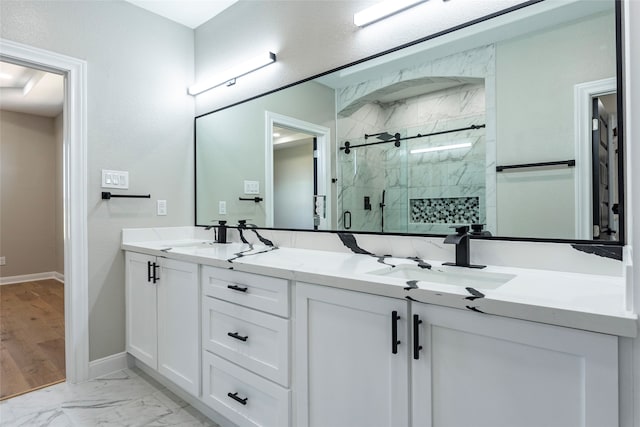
[(229, 77), (382, 10), (441, 148), (5, 76)]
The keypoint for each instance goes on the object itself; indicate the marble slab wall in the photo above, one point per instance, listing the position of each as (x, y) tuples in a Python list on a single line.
[(468, 98), (403, 176)]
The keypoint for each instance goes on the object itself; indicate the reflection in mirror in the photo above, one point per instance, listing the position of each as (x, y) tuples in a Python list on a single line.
[(293, 178), (511, 123)]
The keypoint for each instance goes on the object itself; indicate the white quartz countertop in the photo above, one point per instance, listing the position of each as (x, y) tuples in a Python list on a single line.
[(582, 301)]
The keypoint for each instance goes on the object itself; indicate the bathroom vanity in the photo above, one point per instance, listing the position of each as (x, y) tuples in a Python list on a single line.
[(274, 336)]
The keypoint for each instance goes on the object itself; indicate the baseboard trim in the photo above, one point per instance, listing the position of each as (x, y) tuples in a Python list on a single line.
[(107, 365), (32, 277), (191, 400)]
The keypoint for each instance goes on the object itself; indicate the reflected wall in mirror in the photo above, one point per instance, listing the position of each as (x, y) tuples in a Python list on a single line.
[(511, 122)]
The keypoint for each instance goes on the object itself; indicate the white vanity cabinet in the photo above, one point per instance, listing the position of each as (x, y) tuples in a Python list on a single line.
[(352, 365), (453, 368), (163, 322), (482, 370), (245, 347)]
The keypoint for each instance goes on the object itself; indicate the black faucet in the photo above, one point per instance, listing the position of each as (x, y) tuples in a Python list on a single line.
[(222, 232), (461, 240)]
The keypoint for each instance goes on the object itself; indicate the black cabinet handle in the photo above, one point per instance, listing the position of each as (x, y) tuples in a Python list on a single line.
[(394, 332), (237, 336), (235, 397), (416, 337), (155, 272), (237, 288), (148, 271)]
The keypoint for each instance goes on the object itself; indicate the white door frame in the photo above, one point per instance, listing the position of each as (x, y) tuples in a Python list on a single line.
[(76, 300), (323, 135), (582, 94)]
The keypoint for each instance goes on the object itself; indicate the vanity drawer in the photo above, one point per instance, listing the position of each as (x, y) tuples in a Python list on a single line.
[(244, 398), (252, 339), (264, 293)]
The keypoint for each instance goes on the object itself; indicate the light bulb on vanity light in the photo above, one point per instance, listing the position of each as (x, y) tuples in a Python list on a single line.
[(382, 10), (229, 76)]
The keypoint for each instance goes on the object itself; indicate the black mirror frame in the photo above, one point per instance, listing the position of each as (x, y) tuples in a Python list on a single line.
[(620, 66)]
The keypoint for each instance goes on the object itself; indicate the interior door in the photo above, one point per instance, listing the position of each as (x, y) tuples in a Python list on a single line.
[(317, 214), (600, 170)]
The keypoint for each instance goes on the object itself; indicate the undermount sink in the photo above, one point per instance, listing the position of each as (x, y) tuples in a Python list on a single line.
[(457, 276)]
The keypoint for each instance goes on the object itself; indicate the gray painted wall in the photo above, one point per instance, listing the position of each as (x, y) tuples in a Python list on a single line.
[(231, 149), (58, 125), (140, 119), (29, 218), (293, 186), (310, 37), (532, 128)]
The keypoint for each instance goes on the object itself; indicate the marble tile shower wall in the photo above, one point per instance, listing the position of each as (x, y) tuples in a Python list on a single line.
[(423, 178), (416, 179)]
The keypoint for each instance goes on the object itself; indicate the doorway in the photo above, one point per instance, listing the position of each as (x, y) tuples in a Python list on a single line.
[(74, 187), (604, 157), (596, 149), (295, 184), (32, 248), (300, 150)]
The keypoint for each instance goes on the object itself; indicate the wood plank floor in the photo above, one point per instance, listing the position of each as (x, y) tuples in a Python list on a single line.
[(31, 336)]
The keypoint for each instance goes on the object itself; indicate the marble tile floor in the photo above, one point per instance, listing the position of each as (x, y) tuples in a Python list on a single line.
[(124, 398)]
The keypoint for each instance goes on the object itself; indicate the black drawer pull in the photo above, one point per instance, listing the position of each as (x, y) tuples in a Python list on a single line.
[(235, 397), (237, 288), (148, 271), (156, 276), (394, 332), (237, 336), (416, 337)]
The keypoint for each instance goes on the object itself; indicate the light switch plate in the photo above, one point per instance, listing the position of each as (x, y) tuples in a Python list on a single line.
[(3, 260), (251, 187), (222, 207), (161, 207), (115, 179)]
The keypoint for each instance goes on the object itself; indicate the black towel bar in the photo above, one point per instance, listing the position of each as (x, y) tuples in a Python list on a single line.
[(106, 195), (568, 163)]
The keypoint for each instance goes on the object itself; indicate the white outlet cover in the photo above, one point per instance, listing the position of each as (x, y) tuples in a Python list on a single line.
[(161, 207)]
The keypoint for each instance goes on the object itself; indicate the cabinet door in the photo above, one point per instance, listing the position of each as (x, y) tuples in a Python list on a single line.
[(347, 374), (482, 370), (141, 321), (178, 324)]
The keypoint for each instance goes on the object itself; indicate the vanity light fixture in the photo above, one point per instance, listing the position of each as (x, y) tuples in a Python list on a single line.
[(382, 10), (229, 76), (441, 148)]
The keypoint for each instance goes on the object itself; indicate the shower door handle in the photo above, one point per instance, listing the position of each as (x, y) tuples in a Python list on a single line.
[(346, 215)]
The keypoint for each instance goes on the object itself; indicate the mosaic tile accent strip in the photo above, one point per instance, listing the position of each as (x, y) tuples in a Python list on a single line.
[(445, 210)]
